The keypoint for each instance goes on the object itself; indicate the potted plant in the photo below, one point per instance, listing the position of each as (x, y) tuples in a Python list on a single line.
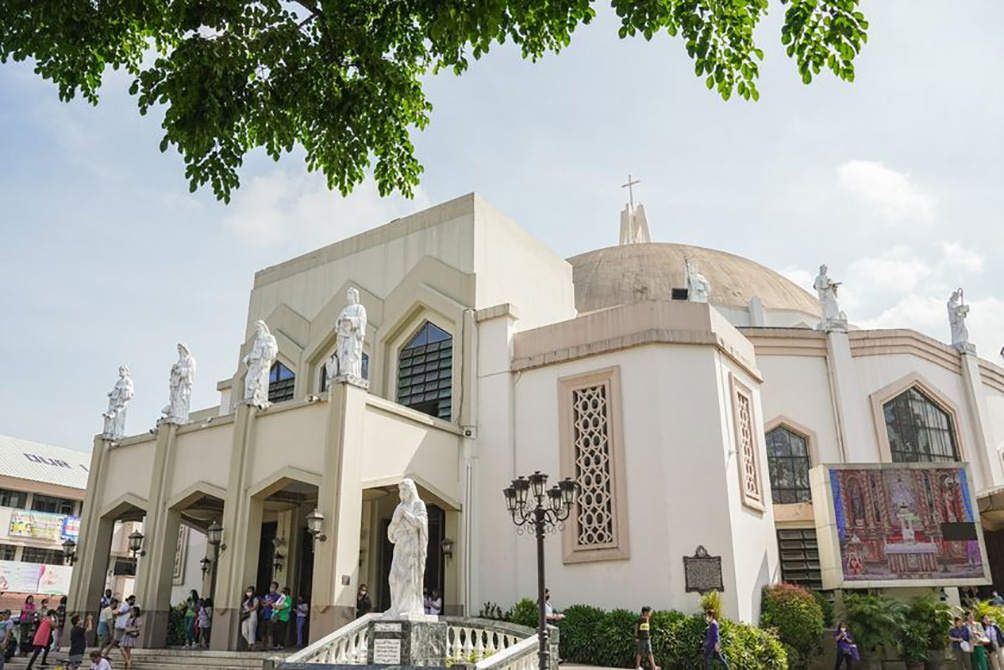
[(913, 644), (936, 616)]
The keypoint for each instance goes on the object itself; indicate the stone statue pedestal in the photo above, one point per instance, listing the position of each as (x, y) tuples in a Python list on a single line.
[(413, 641)]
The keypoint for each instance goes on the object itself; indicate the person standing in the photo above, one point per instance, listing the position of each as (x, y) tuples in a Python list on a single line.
[(249, 617), (205, 622), (106, 599), (992, 645), (845, 646), (978, 640), (643, 639), (130, 635), (191, 614), (302, 612), (265, 622), (435, 603), (122, 615), (363, 604), (280, 615), (549, 614), (78, 640), (995, 599), (6, 635), (713, 643), (43, 638), (961, 644), (60, 624), (26, 625)]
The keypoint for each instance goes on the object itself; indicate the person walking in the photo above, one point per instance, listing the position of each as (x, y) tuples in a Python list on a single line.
[(205, 622), (643, 640), (363, 604), (122, 614), (302, 612), (26, 626), (78, 640), (713, 643), (978, 640), (131, 634), (106, 624), (6, 636), (106, 599), (249, 617), (993, 634), (846, 649), (962, 647), (43, 639)]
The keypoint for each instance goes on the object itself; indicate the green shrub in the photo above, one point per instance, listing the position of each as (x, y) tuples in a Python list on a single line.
[(826, 605), (874, 620), (798, 619), (712, 600), (526, 613), (750, 647), (494, 612), (176, 625), (614, 646), (913, 642), (578, 630), (935, 617)]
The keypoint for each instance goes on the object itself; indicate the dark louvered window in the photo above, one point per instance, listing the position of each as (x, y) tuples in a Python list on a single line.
[(281, 381), (425, 372), (799, 557)]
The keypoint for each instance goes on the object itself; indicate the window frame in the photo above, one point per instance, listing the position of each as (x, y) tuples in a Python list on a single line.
[(45, 554), (754, 502), (23, 496), (451, 377), (287, 385), (812, 448), (620, 548), (59, 500), (885, 394)]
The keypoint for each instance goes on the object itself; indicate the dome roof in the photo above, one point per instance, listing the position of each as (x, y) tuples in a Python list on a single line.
[(637, 272)]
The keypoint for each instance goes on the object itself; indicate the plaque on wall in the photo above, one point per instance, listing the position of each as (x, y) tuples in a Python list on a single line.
[(703, 572), (387, 651)]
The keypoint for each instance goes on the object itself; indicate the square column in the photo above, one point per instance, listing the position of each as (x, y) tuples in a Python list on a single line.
[(340, 500), (87, 582)]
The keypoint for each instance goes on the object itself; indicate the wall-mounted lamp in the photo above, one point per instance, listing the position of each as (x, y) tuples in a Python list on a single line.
[(69, 552), (447, 547), (136, 544), (214, 535), (315, 523)]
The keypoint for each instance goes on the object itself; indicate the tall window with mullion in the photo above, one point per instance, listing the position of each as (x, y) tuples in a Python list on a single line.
[(425, 372), (919, 430), (281, 383), (788, 460)]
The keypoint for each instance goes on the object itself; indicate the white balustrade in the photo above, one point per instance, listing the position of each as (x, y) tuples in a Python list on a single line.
[(520, 656), (346, 646), (470, 643)]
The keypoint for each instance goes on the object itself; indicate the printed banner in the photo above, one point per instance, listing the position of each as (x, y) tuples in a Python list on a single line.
[(20, 577), (44, 526), (54, 580)]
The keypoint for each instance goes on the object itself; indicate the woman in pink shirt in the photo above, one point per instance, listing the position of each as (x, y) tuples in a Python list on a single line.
[(43, 638)]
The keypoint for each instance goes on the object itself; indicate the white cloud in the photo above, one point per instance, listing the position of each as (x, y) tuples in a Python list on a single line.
[(892, 193), (957, 256), (285, 207), (929, 315), (897, 269)]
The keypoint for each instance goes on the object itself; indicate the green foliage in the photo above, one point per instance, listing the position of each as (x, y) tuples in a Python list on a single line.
[(345, 80), (494, 612), (176, 625), (712, 600), (798, 619), (913, 638), (874, 620), (983, 608), (578, 630), (934, 616), (826, 606), (526, 613), (614, 646)]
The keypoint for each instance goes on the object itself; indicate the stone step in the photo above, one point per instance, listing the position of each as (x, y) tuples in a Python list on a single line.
[(169, 659)]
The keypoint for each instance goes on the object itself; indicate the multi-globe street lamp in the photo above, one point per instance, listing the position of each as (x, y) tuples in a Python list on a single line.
[(534, 506)]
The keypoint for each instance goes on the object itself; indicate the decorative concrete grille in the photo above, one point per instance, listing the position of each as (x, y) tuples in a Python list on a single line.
[(593, 466), (747, 447)]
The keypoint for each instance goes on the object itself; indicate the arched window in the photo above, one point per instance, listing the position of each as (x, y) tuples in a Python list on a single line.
[(788, 460), (919, 430), (425, 372), (324, 373), (281, 381)]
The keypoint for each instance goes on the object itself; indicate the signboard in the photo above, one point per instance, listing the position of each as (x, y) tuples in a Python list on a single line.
[(54, 580), (43, 526), (898, 524), (387, 651), (703, 572), (17, 577)]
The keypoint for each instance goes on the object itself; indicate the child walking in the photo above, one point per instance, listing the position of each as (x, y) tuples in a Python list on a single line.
[(643, 640)]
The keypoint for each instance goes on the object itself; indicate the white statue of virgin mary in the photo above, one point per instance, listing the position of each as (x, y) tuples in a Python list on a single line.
[(409, 533)]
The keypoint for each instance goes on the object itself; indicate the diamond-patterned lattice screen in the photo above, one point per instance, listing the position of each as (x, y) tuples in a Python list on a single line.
[(747, 448), (593, 466)]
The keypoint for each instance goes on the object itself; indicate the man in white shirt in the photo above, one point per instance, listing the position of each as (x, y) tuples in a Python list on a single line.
[(99, 662), (122, 618)]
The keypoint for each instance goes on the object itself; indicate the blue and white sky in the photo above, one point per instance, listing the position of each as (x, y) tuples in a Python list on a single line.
[(894, 181)]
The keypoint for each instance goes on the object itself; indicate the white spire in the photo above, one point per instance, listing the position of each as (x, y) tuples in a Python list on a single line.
[(634, 224)]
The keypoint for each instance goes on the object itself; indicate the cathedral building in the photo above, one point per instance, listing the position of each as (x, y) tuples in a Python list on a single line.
[(727, 430)]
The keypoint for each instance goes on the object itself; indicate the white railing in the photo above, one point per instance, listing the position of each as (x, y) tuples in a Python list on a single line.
[(346, 646), (520, 656), (469, 642)]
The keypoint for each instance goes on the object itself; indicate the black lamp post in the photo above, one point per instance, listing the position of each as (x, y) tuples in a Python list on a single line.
[(532, 505), (214, 535)]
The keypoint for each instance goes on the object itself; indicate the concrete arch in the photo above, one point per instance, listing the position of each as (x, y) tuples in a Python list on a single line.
[(280, 478), (195, 492), (122, 504)]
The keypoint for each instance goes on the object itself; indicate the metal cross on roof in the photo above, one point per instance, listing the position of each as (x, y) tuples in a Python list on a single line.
[(630, 187)]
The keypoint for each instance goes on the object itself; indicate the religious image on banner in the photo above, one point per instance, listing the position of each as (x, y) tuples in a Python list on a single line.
[(902, 523), (44, 526), (54, 580), (17, 577)]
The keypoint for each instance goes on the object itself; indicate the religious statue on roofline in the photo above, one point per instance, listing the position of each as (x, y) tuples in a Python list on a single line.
[(350, 333), (259, 360), (698, 287), (958, 310), (118, 401), (409, 533), (826, 290), (182, 378)]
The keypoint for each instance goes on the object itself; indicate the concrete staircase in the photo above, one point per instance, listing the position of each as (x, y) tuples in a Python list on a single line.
[(171, 659)]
